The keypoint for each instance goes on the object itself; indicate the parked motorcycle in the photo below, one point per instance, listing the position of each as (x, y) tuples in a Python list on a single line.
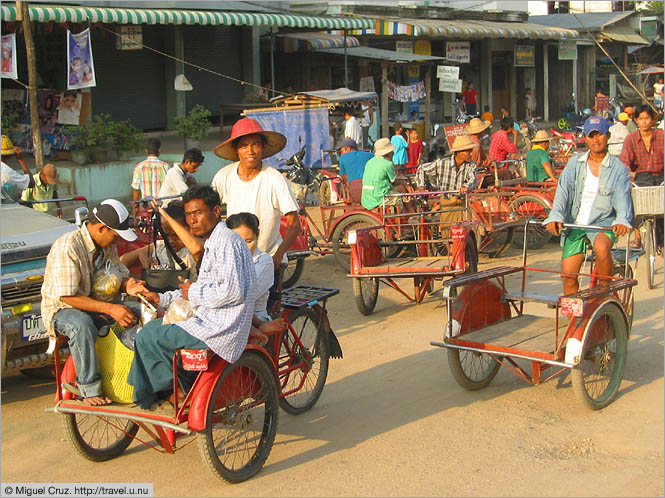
[(571, 118), (459, 112)]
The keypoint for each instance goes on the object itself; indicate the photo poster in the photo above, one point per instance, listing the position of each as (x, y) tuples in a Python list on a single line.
[(69, 108), (9, 56), (80, 67)]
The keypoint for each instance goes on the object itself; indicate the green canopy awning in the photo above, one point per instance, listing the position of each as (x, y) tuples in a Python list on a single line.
[(62, 13)]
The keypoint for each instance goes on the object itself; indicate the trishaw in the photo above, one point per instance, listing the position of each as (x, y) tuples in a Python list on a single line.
[(231, 408), (443, 249), (487, 327)]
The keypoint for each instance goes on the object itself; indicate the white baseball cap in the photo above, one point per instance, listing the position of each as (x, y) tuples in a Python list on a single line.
[(114, 215)]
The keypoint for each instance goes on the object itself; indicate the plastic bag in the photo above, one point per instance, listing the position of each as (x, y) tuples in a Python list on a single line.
[(128, 336), (106, 283), (179, 310)]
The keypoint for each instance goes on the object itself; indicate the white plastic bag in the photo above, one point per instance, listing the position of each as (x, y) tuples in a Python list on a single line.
[(179, 310), (106, 283)]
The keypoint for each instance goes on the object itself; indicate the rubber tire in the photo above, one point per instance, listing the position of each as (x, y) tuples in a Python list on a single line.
[(72, 423), (578, 376), (501, 244), (293, 272), (43, 373), (619, 271), (650, 252), (339, 235), (543, 236), (366, 299), (292, 404), (471, 256), (324, 193), (266, 376), (458, 363)]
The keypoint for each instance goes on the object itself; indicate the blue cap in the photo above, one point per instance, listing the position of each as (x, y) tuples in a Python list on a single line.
[(596, 123), (348, 142)]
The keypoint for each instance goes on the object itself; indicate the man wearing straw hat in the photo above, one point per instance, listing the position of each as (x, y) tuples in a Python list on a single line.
[(475, 130), (250, 186), (12, 181), (380, 178), (44, 189), (538, 164)]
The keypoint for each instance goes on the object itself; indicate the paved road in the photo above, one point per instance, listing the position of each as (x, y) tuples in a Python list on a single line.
[(392, 421)]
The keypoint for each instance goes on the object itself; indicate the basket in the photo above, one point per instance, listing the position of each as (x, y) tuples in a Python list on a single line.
[(115, 360), (648, 200)]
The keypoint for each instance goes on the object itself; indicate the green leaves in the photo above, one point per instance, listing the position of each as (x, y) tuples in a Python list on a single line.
[(194, 125)]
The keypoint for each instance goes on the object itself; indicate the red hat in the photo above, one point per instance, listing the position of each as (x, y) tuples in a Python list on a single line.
[(274, 142)]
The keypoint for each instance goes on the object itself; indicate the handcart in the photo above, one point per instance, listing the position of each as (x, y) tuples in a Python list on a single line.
[(586, 333)]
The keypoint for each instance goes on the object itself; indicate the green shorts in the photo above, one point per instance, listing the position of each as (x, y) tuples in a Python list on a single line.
[(576, 240)]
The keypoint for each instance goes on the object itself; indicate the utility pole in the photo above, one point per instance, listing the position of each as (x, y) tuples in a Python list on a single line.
[(38, 152)]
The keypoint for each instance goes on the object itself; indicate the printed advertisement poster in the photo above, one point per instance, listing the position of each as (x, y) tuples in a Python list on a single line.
[(9, 56), (81, 69)]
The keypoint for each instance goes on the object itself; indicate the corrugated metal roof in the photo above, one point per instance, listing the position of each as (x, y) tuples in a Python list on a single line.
[(593, 21), (295, 42), (380, 54)]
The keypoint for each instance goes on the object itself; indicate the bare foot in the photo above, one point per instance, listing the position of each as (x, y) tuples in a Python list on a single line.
[(181, 397), (97, 401)]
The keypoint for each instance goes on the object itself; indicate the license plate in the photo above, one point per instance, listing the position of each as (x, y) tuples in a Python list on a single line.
[(32, 328)]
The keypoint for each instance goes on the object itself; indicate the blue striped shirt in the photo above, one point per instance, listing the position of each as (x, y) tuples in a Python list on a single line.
[(223, 295)]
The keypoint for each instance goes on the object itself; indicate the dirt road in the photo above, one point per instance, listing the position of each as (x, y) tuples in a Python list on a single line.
[(393, 422)]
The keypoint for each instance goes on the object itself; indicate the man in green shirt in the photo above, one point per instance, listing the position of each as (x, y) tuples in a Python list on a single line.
[(44, 189), (379, 177), (538, 164)]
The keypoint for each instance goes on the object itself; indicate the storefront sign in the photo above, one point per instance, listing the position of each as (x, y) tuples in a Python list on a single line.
[(453, 131), (525, 56), (567, 50), (454, 86), (130, 37), (458, 51), (447, 72), (405, 47)]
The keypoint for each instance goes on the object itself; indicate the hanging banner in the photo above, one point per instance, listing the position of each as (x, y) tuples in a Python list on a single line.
[(525, 56), (453, 86), (567, 50), (459, 51), (409, 93), (81, 70), (9, 57)]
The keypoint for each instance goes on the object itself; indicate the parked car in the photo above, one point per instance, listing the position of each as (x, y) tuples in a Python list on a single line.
[(26, 236)]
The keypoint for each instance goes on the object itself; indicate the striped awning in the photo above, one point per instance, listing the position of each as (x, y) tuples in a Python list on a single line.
[(465, 29), (296, 42), (64, 13)]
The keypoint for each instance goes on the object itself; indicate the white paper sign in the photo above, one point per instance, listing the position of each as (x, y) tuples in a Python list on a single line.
[(454, 86), (459, 51), (447, 72)]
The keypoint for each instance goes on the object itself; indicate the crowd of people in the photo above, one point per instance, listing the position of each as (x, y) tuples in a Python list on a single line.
[(234, 267)]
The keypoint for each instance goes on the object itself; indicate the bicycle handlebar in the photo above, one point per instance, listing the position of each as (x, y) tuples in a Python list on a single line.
[(573, 225), (151, 198)]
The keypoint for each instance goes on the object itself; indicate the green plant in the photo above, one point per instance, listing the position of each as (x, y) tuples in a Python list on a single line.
[(194, 125), (9, 122), (125, 136), (96, 133)]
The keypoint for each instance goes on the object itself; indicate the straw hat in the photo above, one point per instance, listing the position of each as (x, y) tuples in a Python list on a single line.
[(274, 142), (476, 125), (7, 146), (541, 136), (462, 142), (50, 174), (382, 147)]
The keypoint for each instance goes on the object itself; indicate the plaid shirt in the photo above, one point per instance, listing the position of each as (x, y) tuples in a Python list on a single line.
[(443, 175), (149, 175), (501, 146), (223, 295), (69, 271), (634, 154)]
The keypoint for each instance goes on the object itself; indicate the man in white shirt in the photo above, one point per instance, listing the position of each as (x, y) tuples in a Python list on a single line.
[(618, 133), (352, 129), (250, 186), (12, 181), (181, 176), (366, 123)]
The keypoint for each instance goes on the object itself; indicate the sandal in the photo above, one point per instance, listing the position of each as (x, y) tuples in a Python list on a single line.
[(72, 389)]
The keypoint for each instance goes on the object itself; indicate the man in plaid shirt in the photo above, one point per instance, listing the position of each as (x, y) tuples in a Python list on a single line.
[(149, 175)]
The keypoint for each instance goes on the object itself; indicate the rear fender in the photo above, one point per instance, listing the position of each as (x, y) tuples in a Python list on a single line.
[(462, 235), (369, 214), (548, 201), (478, 304), (203, 388)]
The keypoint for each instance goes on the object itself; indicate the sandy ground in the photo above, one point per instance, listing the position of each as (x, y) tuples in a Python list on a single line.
[(393, 422)]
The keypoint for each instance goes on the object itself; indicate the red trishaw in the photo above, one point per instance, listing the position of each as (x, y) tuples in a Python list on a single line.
[(488, 327), (231, 408)]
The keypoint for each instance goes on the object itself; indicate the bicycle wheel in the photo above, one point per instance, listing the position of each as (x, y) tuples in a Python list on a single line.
[(497, 242), (366, 292), (563, 124), (619, 271), (293, 272), (650, 249), (313, 357), (340, 244), (472, 370), (241, 420), (596, 380), (98, 438), (471, 256), (528, 206)]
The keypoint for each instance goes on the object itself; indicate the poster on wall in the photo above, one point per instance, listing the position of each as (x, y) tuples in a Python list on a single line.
[(459, 51), (367, 84), (9, 56), (81, 69), (69, 108)]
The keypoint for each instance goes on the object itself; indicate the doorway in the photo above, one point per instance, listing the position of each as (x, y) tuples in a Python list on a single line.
[(501, 68)]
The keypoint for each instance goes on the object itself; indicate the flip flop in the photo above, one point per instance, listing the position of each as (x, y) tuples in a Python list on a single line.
[(72, 389)]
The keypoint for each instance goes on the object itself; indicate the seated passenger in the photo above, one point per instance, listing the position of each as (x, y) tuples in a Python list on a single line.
[(538, 163), (158, 256), (247, 226), (380, 178), (223, 300), (593, 189)]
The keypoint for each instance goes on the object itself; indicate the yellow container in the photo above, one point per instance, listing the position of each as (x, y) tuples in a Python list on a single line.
[(115, 360), (420, 126)]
